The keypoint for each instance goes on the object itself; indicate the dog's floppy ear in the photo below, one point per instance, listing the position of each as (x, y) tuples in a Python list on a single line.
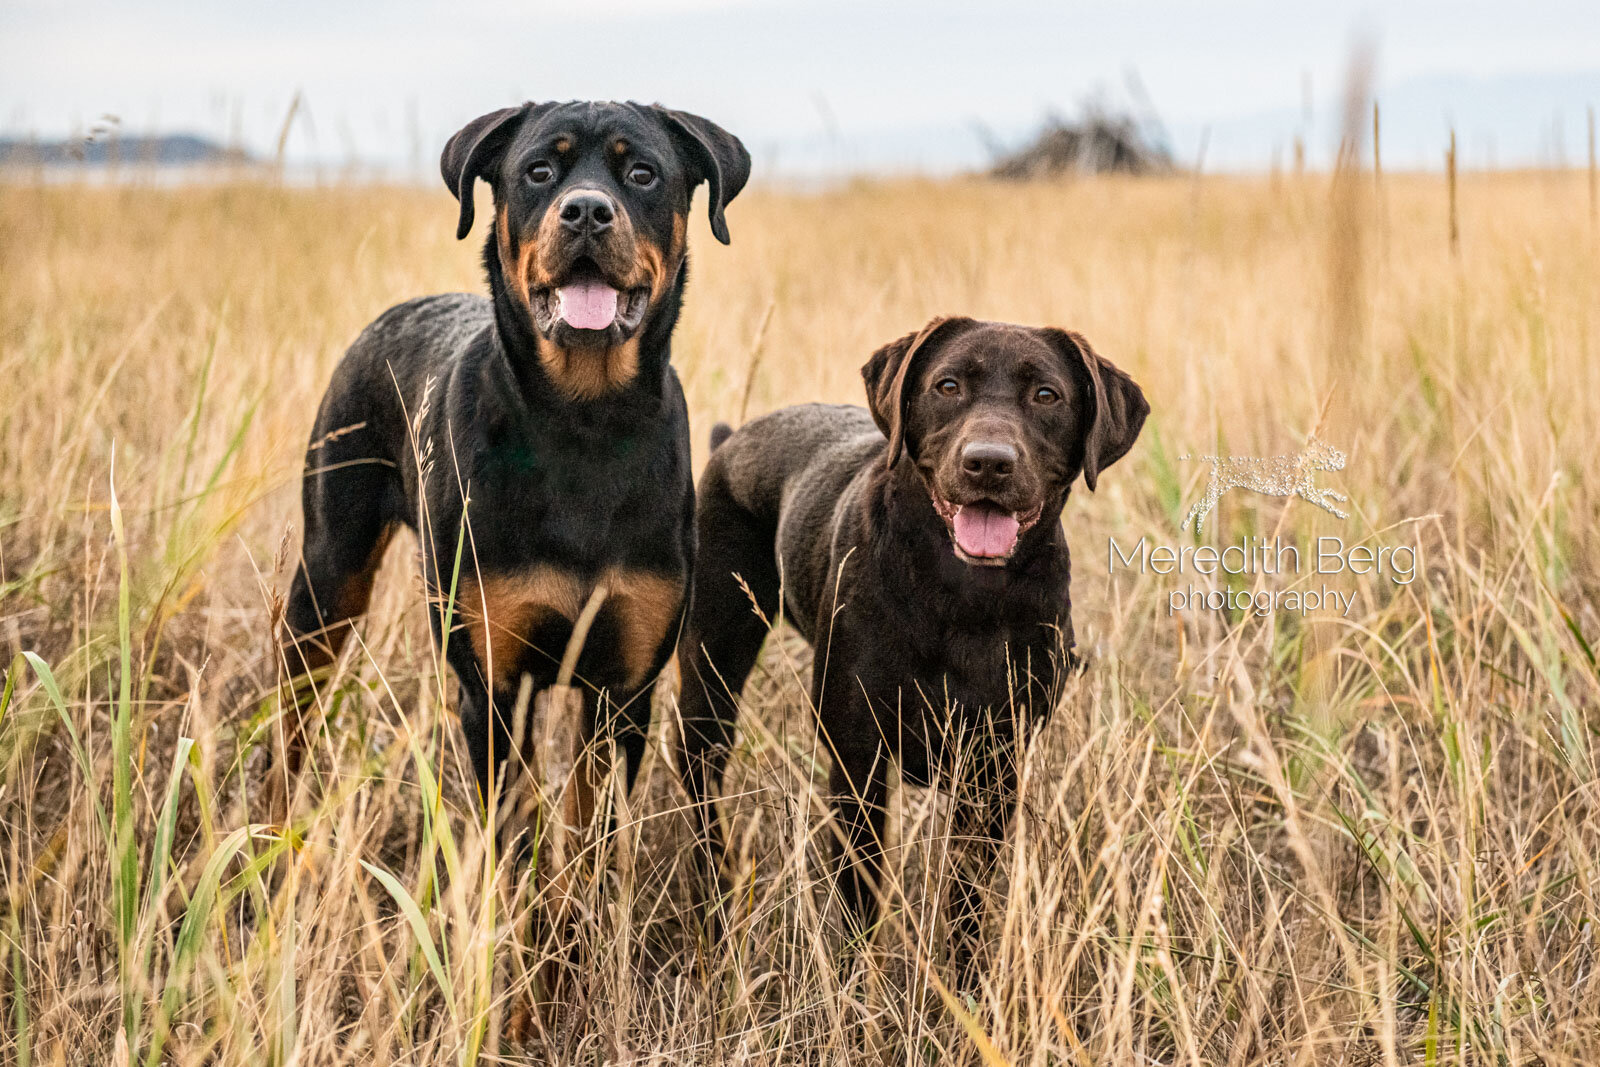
[(885, 375), (473, 153), (1119, 404), (713, 155)]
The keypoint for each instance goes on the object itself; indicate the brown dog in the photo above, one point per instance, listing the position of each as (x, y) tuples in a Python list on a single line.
[(918, 548)]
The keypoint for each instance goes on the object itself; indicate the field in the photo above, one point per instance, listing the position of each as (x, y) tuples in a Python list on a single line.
[(1246, 839)]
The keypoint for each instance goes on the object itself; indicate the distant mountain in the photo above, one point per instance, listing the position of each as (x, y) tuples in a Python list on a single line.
[(172, 150)]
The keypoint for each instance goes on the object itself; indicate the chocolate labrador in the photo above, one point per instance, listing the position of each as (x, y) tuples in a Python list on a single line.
[(917, 546)]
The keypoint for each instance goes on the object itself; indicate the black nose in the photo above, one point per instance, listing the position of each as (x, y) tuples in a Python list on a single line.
[(989, 460), (588, 211)]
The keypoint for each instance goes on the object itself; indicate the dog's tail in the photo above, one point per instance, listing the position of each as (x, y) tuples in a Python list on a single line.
[(720, 433)]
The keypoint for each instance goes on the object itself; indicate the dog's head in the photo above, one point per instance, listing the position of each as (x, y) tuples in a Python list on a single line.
[(1000, 420), (591, 207)]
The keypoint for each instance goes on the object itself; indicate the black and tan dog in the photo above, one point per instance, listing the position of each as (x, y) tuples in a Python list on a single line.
[(537, 440), (919, 549)]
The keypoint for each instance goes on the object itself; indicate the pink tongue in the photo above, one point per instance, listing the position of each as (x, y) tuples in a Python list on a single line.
[(590, 305), (984, 531)]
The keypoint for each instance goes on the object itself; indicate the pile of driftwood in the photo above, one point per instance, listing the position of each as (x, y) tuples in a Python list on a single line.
[(1099, 143)]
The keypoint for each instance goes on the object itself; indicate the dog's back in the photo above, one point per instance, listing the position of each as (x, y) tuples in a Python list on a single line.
[(756, 464), (377, 385), (782, 479)]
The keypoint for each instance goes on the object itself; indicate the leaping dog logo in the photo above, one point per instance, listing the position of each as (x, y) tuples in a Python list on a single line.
[(1285, 476)]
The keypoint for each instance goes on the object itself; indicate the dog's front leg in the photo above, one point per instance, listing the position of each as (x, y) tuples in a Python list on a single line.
[(704, 744), (984, 804), (858, 790), (485, 735)]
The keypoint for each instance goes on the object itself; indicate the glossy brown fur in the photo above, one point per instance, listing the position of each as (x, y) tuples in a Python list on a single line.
[(924, 660)]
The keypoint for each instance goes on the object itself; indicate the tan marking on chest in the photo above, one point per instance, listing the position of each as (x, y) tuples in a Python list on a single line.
[(501, 614), (584, 374), (647, 607)]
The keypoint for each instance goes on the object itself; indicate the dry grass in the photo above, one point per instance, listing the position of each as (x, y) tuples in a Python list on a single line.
[(1368, 840)]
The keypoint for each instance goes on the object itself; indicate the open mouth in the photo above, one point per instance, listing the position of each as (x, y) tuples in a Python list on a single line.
[(588, 305), (982, 532)]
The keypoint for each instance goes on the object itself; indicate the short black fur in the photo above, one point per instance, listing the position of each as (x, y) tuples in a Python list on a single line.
[(548, 458)]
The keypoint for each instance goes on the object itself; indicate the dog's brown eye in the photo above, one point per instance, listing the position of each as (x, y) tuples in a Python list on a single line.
[(1046, 395), (541, 172), (948, 386), (642, 174)]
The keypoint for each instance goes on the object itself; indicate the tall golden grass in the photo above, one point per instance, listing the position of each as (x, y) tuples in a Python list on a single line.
[(1244, 841)]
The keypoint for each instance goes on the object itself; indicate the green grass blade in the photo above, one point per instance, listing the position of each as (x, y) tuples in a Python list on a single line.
[(125, 859), (53, 691), (10, 687), (167, 821), (21, 1028), (161, 853), (190, 937), (419, 929)]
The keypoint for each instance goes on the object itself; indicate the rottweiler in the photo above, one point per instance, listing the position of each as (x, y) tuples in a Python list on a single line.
[(918, 546), (536, 440)]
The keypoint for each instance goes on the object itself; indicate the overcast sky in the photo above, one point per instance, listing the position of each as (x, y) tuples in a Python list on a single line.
[(812, 87)]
